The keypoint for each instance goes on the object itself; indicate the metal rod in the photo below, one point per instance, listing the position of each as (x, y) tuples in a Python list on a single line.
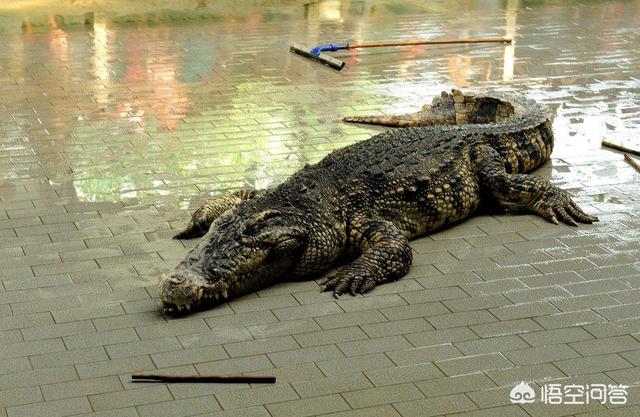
[(632, 162), (620, 148), (224, 379), (430, 42)]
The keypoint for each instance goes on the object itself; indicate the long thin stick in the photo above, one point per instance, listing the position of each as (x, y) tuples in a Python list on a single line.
[(620, 148), (224, 379), (430, 42), (632, 162)]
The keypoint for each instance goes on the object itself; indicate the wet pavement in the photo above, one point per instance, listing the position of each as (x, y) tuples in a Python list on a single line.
[(114, 130)]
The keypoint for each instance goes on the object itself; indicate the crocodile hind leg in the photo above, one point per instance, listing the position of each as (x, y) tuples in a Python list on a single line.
[(212, 209), (535, 193), (385, 256)]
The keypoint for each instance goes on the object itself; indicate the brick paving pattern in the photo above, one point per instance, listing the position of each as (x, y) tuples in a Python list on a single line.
[(110, 136)]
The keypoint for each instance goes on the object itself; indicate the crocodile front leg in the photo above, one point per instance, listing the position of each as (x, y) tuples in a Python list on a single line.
[(212, 209), (537, 194), (385, 256)]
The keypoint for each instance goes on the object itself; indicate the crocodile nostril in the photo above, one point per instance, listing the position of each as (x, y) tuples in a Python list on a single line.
[(176, 279)]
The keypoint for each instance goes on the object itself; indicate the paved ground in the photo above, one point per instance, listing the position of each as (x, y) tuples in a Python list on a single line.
[(110, 136)]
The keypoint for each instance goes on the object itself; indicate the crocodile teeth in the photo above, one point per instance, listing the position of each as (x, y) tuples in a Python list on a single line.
[(225, 294), (200, 292)]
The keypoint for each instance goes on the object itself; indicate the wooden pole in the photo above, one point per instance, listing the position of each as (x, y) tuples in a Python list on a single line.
[(620, 148), (632, 162), (429, 42), (223, 379)]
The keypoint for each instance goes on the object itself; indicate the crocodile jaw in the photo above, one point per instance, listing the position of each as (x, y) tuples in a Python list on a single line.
[(183, 290)]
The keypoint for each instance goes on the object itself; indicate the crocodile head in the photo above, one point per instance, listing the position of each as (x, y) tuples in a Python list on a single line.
[(245, 249)]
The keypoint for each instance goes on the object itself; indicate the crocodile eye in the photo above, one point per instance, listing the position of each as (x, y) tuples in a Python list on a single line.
[(251, 228), (254, 225)]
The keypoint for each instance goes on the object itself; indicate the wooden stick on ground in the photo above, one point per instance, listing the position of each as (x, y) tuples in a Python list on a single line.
[(620, 148), (224, 379), (632, 162)]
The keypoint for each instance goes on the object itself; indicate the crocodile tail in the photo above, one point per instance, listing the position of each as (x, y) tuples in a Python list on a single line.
[(405, 120)]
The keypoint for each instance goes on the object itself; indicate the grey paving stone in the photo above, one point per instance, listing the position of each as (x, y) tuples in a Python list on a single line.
[(380, 411), (253, 347), (188, 356), (60, 408), (75, 314), (354, 364), (19, 396), (308, 406), (256, 396), (537, 294), (302, 355), (371, 302), (577, 264), (491, 345), (516, 374), (465, 318), (235, 365), (606, 345), (524, 310), (470, 364), (423, 354), (375, 345), (406, 312), (218, 336), (327, 337), (434, 294), (585, 302), (507, 411), (451, 335), (68, 357), (104, 338), (556, 336), (335, 321), (29, 378), (435, 406), (241, 319), (402, 374), (81, 388), (455, 385), (124, 321), (40, 282), (477, 303), (114, 367), (332, 385), (246, 304), (382, 395), (506, 327), (137, 348), (16, 350), (175, 408), (305, 311), (259, 411), (542, 354), (396, 327), (596, 286), (592, 364), (554, 278), (293, 373), (570, 319), (289, 327), (136, 397)]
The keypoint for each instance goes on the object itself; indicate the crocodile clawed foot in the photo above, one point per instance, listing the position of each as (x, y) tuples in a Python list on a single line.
[(352, 278), (556, 205)]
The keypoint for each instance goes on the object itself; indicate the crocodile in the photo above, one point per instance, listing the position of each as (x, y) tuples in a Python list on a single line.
[(359, 206)]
